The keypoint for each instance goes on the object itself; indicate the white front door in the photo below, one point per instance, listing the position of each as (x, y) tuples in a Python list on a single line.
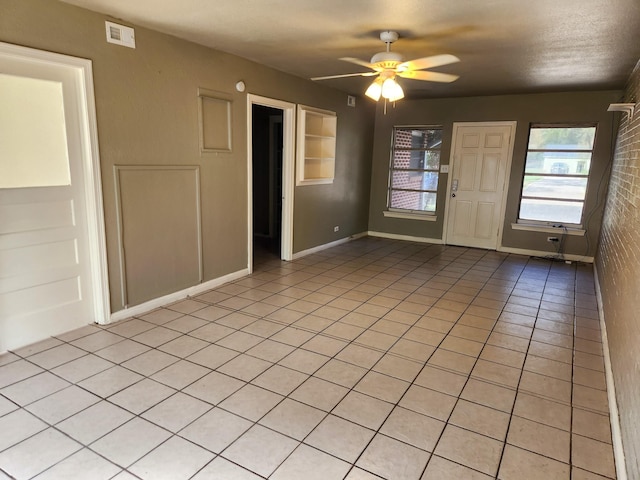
[(46, 271), (478, 179)]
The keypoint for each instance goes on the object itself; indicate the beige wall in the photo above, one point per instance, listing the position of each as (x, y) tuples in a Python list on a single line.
[(571, 107), (618, 264), (146, 101)]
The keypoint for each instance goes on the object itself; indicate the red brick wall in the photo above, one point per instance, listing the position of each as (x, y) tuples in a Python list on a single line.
[(618, 264)]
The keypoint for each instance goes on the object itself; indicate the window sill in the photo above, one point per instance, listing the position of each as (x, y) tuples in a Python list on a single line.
[(529, 227), (411, 216)]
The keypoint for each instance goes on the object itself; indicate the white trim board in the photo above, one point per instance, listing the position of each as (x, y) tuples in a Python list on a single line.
[(175, 296), (410, 216), (319, 248), (410, 238), (528, 227), (118, 171), (614, 417), (288, 173), (518, 251), (543, 253)]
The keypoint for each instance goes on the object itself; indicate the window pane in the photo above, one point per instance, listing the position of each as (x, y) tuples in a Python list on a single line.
[(408, 159), (559, 163), (417, 138), (562, 138), (570, 188), (33, 136), (425, 201), (414, 180), (416, 159), (551, 210), (432, 160)]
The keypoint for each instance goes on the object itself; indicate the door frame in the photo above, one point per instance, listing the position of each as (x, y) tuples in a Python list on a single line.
[(507, 177), (288, 169), (273, 158), (83, 77)]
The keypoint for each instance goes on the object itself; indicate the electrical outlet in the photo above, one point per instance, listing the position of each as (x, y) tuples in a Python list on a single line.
[(553, 239), (336, 228)]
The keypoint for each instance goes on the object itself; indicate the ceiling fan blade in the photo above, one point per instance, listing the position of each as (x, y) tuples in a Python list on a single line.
[(344, 75), (357, 61), (429, 76), (428, 62)]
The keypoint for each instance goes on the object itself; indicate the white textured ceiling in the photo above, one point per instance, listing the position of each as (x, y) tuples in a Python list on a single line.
[(505, 46)]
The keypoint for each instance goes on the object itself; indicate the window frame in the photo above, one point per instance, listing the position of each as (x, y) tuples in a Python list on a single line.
[(405, 212), (550, 223)]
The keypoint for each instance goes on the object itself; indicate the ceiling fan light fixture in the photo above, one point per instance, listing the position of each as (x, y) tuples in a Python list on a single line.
[(375, 90), (391, 90)]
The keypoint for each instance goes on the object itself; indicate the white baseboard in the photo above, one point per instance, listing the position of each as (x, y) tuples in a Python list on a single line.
[(539, 253), (616, 434), (410, 238), (174, 297), (335, 243)]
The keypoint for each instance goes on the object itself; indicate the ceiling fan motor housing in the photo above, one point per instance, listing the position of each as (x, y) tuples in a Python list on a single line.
[(386, 60)]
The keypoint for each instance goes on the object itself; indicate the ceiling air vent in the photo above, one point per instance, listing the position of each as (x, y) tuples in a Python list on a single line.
[(120, 35)]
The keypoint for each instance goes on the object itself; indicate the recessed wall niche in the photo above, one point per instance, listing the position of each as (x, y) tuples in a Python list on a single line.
[(214, 122)]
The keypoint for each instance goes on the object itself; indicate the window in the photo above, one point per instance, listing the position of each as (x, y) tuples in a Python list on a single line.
[(556, 173), (413, 175)]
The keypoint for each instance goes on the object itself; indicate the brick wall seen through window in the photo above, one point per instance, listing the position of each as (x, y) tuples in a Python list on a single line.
[(413, 173)]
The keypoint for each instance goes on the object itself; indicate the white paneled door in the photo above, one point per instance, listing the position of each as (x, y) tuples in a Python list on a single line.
[(478, 181), (50, 273)]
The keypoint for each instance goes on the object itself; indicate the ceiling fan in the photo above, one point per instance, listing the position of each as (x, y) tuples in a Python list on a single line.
[(388, 65)]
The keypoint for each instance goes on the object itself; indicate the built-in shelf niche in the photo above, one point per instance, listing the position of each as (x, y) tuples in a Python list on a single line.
[(316, 146)]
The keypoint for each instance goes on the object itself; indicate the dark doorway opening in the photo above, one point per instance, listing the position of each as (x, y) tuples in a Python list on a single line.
[(267, 142)]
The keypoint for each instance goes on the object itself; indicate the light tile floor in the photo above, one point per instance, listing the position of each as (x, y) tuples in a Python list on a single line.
[(375, 359)]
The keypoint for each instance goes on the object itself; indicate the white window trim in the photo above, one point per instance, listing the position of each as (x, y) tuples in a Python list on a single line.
[(576, 230), (411, 215)]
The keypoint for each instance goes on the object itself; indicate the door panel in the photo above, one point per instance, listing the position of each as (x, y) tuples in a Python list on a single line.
[(30, 258), (36, 138), (493, 140), (484, 220), (470, 140), (45, 265), (490, 172), (25, 217), (53, 293), (462, 225), (467, 172), (478, 178)]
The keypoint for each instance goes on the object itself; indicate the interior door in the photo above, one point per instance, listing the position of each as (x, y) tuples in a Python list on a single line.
[(478, 180), (45, 270)]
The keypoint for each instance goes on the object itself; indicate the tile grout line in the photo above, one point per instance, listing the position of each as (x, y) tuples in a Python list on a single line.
[(458, 397)]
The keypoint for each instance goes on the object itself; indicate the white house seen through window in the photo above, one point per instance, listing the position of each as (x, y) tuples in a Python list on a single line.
[(556, 173), (413, 175)]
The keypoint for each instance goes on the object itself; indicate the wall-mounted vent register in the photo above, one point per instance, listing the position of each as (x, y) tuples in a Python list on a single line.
[(120, 35)]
